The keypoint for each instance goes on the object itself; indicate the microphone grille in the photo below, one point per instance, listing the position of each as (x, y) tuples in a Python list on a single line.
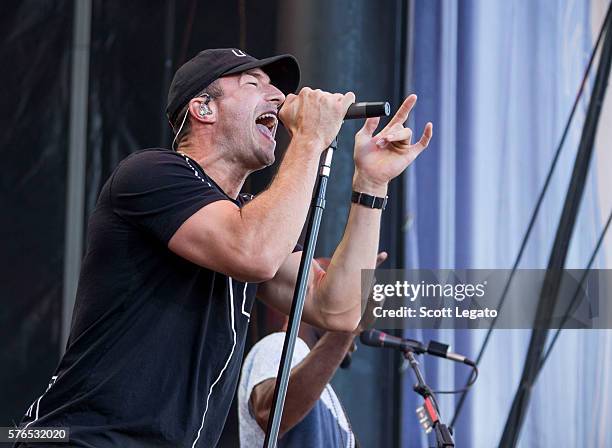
[(372, 337)]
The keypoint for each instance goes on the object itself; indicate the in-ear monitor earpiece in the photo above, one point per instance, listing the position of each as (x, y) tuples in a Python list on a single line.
[(204, 109)]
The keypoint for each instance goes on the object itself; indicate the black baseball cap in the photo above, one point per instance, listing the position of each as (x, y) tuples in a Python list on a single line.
[(208, 65)]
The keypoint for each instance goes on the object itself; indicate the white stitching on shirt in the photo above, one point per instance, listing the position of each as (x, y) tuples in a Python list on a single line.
[(244, 301), (231, 291), (37, 402), (194, 170)]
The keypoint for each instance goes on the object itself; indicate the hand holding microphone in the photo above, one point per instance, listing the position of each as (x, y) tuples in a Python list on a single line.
[(315, 115)]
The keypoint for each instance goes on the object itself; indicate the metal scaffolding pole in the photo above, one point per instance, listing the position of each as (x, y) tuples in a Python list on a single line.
[(75, 194)]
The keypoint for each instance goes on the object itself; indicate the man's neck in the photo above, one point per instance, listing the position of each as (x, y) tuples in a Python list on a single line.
[(226, 175)]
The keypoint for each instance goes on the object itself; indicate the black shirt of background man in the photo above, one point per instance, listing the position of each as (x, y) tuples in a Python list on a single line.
[(156, 341)]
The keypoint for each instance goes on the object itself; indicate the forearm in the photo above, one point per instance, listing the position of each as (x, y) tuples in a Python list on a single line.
[(277, 215), (338, 293), (307, 380)]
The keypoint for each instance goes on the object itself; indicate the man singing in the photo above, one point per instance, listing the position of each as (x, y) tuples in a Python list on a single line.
[(176, 255)]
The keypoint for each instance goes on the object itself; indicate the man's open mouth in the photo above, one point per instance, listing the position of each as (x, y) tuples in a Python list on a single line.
[(266, 123)]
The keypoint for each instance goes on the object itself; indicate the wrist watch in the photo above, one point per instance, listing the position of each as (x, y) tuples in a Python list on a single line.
[(368, 200)]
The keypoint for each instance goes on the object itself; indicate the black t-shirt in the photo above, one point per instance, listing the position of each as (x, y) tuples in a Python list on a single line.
[(156, 342)]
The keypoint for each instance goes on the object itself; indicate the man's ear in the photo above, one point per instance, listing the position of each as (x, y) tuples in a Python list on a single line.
[(202, 110)]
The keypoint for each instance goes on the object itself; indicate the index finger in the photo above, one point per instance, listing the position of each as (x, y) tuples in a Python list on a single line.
[(402, 113), (348, 99)]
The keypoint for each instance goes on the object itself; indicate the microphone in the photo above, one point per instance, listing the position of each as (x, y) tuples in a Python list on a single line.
[(377, 338), (441, 350), (367, 110)]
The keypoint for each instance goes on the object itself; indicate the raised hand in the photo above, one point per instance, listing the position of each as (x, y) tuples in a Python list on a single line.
[(385, 155)]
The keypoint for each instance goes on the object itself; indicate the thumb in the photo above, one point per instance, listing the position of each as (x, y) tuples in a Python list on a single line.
[(380, 258), (369, 126)]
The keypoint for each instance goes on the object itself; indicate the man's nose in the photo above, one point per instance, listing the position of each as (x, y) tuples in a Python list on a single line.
[(274, 95)]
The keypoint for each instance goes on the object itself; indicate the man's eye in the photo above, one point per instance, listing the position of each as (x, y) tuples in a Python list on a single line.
[(252, 83)]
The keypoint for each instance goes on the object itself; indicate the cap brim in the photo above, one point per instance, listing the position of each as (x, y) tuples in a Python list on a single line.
[(283, 70)]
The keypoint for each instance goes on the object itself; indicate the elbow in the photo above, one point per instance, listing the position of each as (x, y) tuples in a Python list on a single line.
[(346, 319), (345, 327), (258, 266), (344, 323), (253, 274), (266, 267), (260, 275), (260, 261), (262, 416)]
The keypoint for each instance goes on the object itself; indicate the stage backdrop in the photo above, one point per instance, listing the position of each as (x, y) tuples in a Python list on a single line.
[(341, 47), (130, 55), (498, 79)]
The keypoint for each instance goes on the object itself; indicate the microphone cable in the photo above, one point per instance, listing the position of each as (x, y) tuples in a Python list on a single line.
[(471, 380)]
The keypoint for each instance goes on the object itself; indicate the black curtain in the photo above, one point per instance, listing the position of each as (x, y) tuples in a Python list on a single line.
[(35, 98)]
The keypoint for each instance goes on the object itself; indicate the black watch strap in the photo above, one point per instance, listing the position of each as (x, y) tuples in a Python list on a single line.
[(368, 200)]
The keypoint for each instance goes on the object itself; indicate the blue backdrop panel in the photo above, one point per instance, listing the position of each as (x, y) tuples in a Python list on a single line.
[(498, 79)]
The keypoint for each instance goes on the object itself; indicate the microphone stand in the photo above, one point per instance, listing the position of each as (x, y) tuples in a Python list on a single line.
[(429, 412), (299, 295)]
